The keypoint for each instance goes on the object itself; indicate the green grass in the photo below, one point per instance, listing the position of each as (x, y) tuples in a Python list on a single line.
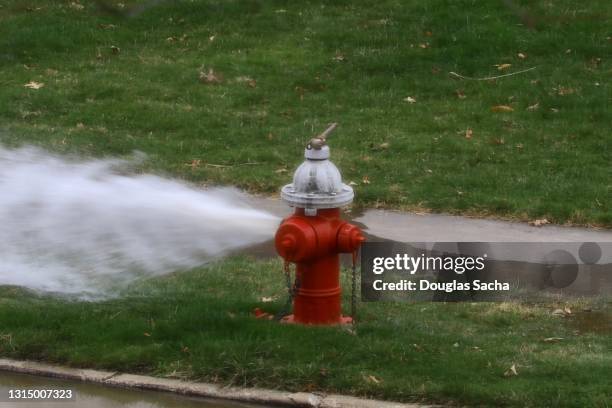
[(199, 325), (314, 62)]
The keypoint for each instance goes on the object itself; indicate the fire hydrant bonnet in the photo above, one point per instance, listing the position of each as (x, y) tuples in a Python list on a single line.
[(317, 183)]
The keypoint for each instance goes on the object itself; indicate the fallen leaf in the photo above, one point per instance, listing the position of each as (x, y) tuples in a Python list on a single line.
[(384, 145), (560, 313), (511, 372), (502, 108), (281, 170), (499, 141), (534, 107), (373, 379), (539, 222), (352, 183), (562, 91), (460, 94), (552, 339), (80, 126), (410, 99), (521, 55), (210, 77), (502, 67), (469, 133), (147, 334), (34, 85), (267, 299), (365, 180), (424, 45), (339, 57)]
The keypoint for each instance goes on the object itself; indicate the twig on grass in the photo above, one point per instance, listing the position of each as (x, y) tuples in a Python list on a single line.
[(456, 75)]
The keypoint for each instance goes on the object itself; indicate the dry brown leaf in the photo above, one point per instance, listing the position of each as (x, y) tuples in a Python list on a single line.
[(469, 133), (539, 222), (460, 94), (365, 180), (502, 108), (339, 57), (373, 379), (147, 334), (562, 91), (534, 107), (511, 372), (502, 67), (210, 77), (34, 85)]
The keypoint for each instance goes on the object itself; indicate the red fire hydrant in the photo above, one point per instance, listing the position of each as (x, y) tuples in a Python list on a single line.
[(314, 236)]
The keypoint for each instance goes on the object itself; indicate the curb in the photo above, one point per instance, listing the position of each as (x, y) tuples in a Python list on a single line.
[(206, 390)]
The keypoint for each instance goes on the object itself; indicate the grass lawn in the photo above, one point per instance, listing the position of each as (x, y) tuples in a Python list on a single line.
[(199, 325), (282, 70)]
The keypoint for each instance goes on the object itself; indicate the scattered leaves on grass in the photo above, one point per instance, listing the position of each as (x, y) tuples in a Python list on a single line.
[(502, 108), (210, 77), (539, 222), (502, 67), (511, 372), (34, 85), (410, 99), (469, 133)]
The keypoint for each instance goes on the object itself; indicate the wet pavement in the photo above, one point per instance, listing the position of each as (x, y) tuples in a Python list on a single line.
[(99, 396)]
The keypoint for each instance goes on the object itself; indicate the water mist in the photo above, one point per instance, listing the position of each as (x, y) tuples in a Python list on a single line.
[(84, 227)]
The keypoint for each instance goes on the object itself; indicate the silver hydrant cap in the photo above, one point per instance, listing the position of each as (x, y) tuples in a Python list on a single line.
[(317, 183)]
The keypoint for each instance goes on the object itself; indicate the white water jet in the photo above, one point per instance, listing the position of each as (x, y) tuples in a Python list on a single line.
[(82, 227)]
